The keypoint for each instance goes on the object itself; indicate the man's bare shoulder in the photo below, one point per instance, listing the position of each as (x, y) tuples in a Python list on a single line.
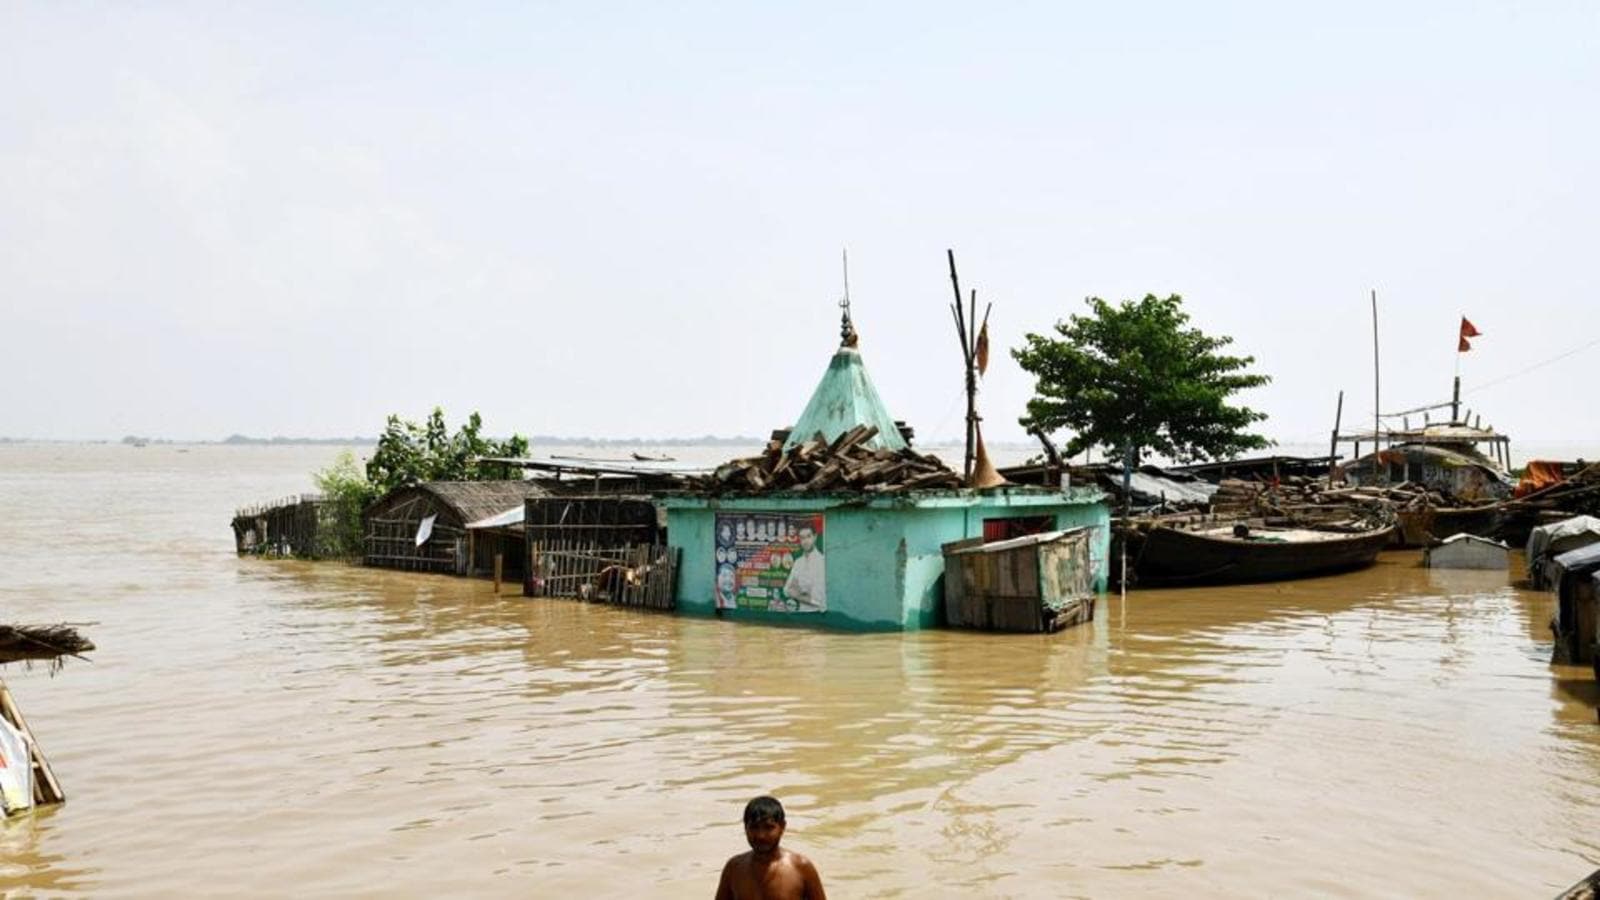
[(811, 881), (798, 860), (738, 859)]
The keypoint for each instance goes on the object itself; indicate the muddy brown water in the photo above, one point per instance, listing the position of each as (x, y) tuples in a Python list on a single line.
[(253, 727)]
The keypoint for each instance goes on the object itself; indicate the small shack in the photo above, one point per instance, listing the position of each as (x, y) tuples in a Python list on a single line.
[(423, 527), (26, 780), (1467, 551), (1038, 583), (1549, 541), (1576, 614), (608, 548)]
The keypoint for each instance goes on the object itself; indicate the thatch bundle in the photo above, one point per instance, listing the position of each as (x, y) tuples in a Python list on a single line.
[(27, 643)]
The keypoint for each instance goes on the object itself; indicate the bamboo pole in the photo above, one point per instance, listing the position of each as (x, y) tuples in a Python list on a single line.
[(1333, 446), (964, 332)]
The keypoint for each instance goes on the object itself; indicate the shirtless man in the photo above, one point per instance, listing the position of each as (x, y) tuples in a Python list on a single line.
[(768, 872)]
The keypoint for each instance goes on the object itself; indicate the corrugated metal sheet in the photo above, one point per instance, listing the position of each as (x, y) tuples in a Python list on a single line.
[(1154, 488), (512, 516)]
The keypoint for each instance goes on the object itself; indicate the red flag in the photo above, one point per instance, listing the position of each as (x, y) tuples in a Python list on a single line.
[(1468, 330), (1463, 346)]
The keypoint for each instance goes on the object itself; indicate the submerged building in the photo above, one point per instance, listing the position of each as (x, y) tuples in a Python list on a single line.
[(856, 559)]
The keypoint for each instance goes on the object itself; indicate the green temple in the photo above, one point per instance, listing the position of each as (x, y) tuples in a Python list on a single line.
[(854, 559)]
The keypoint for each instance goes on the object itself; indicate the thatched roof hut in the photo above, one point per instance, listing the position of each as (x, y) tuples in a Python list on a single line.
[(423, 527), (31, 783), (49, 643)]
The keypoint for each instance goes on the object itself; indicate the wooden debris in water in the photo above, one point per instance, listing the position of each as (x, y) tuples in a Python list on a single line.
[(842, 465)]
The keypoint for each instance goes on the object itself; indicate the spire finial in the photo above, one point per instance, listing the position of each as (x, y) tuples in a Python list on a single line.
[(847, 328)]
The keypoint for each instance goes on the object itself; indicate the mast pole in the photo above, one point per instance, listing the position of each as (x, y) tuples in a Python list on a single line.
[(1333, 446), (1375, 393)]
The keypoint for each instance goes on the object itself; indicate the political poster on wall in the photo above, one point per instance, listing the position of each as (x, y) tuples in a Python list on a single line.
[(771, 561)]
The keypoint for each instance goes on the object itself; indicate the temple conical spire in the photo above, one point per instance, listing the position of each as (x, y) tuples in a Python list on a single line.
[(845, 398)]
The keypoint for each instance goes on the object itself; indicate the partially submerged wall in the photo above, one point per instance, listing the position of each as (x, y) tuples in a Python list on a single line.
[(867, 563)]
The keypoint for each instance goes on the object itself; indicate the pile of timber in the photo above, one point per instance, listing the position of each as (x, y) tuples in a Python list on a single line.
[(841, 465), (27, 643), (1312, 501), (1235, 496)]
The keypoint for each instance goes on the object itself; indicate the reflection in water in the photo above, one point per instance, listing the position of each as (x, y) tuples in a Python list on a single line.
[(346, 731)]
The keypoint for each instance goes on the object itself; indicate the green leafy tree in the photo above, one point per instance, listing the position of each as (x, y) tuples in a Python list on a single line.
[(347, 492), (1134, 376), (408, 453)]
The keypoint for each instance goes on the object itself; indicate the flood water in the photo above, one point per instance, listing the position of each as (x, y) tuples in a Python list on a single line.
[(252, 727)]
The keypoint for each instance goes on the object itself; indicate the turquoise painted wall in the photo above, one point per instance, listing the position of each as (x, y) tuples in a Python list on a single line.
[(884, 563)]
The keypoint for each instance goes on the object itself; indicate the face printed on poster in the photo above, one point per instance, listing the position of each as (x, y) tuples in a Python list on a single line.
[(771, 561)]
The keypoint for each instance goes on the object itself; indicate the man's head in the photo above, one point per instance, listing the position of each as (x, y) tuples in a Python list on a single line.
[(763, 824), (808, 538)]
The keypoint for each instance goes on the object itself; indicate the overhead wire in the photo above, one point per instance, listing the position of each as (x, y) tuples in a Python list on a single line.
[(1538, 365)]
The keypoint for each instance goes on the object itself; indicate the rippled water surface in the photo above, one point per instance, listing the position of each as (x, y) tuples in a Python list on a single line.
[(253, 727)]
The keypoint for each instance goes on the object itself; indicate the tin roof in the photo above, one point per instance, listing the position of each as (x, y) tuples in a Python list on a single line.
[(1464, 538), (845, 398), (1581, 560)]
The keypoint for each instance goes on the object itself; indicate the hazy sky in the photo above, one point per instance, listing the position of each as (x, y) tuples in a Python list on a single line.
[(625, 219)]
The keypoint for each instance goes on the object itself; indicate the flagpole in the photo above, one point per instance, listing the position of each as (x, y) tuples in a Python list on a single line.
[(1455, 389)]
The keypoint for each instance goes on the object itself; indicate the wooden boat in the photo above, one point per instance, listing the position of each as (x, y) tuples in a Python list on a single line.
[(1233, 553)]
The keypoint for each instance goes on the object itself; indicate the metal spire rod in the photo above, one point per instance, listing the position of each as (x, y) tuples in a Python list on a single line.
[(847, 328)]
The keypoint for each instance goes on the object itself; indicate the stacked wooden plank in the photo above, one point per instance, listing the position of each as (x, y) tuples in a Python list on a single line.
[(844, 464), (1236, 496), (1298, 495)]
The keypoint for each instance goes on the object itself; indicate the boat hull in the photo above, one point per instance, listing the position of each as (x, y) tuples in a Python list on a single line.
[(1423, 527), (1174, 556)]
